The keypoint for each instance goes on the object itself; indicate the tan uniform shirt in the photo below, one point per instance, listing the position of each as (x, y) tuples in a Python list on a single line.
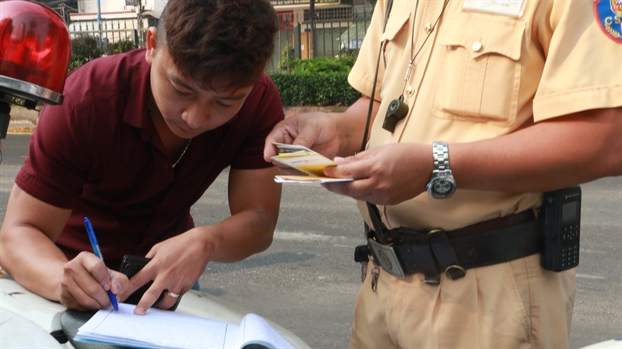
[(486, 69)]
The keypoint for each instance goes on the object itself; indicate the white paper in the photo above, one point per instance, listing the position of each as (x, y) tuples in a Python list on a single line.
[(168, 329), (309, 179), (256, 330)]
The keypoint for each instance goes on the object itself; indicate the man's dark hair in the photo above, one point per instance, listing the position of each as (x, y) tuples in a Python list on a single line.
[(219, 43)]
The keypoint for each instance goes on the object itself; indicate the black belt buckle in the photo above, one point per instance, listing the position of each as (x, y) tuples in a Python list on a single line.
[(386, 257)]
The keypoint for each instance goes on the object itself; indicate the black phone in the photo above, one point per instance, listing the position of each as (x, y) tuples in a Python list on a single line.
[(561, 216), (130, 266)]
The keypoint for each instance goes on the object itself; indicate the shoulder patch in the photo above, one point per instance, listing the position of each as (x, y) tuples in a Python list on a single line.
[(608, 14)]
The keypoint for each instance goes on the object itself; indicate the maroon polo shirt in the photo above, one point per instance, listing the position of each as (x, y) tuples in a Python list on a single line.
[(100, 155)]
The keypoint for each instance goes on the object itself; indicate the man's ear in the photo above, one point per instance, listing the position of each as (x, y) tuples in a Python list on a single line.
[(152, 42)]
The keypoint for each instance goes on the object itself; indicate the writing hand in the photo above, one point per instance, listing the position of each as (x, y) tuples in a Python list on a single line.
[(85, 283)]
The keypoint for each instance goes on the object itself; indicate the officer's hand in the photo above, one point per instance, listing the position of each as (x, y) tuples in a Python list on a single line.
[(315, 130), (85, 283), (384, 175)]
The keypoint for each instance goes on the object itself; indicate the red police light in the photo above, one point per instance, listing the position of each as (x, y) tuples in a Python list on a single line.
[(35, 50)]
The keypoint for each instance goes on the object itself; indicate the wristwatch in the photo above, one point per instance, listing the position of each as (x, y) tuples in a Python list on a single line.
[(442, 185)]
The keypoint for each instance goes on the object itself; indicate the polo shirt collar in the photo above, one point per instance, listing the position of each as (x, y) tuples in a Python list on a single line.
[(137, 110)]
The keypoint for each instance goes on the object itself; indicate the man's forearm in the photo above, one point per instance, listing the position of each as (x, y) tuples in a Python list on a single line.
[(33, 261), (239, 236), (550, 155)]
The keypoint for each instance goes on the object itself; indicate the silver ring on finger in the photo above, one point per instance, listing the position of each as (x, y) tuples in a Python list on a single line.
[(172, 294)]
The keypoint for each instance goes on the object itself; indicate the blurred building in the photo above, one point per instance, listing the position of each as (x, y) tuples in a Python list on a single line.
[(321, 28)]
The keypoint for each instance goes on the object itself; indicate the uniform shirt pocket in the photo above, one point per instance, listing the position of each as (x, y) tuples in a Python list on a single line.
[(480, 69)]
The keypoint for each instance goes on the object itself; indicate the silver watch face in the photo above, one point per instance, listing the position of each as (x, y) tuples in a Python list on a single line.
[(442, 187)]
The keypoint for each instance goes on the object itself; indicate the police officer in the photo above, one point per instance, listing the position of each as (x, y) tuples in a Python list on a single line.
[(476, 108)]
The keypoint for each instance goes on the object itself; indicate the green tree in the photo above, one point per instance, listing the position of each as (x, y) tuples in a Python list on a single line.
[(83, 49), (86, 48), (120, 46), (287, 55), (322, 65)]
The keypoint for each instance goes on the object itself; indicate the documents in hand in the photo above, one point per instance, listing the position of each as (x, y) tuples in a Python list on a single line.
[(168, 329), (306, 161)]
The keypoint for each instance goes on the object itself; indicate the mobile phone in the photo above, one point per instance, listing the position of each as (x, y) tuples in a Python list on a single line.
[(561, 214), (130, 266)]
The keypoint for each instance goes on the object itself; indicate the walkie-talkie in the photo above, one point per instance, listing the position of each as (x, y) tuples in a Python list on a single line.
[(561, 214)]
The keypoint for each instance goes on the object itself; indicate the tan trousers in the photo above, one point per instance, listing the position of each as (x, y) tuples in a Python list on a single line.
[(509, 305)]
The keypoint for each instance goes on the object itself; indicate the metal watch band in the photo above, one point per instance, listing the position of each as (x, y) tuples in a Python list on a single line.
[(440, 150)]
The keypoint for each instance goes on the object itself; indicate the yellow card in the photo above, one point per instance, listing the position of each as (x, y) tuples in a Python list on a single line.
[(304, 160)]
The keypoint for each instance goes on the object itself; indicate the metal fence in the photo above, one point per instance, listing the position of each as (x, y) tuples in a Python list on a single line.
[(321, 37), (335, 33), (108, 31)]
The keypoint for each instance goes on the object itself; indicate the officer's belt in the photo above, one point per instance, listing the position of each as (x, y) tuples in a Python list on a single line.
[(404, 251)]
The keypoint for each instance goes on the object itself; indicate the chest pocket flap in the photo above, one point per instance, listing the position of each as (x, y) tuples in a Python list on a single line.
[(396, 22), (480, 68), (503, 36)]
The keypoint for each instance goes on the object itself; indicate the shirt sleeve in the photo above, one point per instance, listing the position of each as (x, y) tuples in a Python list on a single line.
[(265, 109), (56, 166), (583, 68)]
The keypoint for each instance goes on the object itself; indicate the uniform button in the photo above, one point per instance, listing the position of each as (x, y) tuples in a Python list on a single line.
[(410, 91), (429, 28), (477, 46)]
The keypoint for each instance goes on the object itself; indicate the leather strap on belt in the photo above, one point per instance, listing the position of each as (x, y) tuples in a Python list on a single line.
[(433, 252)]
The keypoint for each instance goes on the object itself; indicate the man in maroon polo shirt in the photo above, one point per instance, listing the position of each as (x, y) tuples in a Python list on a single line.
[(138, 139)]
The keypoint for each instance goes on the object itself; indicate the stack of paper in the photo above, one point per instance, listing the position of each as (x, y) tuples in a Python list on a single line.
[(168, 329), (306, 161)]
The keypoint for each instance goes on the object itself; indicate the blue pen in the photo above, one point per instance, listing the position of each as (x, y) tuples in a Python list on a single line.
[(98, 253)]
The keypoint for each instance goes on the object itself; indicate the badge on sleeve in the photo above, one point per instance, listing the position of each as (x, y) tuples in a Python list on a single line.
[(608, 14)]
